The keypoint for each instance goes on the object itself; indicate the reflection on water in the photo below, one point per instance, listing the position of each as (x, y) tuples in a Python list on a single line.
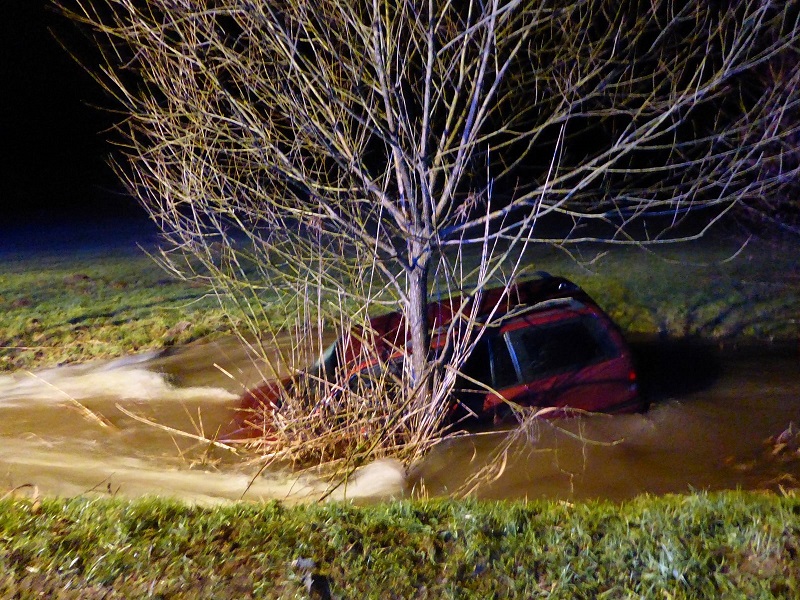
[(63, 432)]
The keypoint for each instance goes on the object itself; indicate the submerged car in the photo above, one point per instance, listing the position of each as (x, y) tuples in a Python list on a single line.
[(544, 343)]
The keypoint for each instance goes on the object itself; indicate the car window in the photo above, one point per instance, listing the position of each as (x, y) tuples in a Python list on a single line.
[(477, 365), (503, 371), (325, 368), (379, 376), (490, 363), (568, 345)]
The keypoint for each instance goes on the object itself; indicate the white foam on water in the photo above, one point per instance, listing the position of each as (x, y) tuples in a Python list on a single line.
[(95, 461), (70, 472), (380, 479), (121, 381)]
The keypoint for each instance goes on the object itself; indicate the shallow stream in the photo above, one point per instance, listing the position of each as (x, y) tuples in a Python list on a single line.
[(713, 423)]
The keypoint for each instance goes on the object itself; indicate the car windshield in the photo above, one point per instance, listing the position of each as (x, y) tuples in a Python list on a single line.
[(569, 345)]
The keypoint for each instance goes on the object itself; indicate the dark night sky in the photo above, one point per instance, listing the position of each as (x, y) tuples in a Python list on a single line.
[(54, 166)]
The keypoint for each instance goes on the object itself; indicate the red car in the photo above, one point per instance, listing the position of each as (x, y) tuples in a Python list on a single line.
[(547, 344)]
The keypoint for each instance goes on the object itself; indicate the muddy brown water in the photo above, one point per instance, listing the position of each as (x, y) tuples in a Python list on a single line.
[(712, 412)]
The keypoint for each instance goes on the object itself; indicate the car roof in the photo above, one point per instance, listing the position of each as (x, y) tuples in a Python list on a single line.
[(389, 330)]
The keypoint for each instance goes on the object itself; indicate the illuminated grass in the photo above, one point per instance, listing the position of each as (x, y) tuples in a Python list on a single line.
[(64, 310), (731, 545)]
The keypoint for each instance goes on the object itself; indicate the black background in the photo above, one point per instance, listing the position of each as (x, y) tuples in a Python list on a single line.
[(55, 117)]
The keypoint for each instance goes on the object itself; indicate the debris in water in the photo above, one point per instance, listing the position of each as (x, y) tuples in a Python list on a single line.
[(784, 447)]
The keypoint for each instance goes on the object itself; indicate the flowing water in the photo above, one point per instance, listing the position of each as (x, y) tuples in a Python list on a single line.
[(712, 425), (715, 423)]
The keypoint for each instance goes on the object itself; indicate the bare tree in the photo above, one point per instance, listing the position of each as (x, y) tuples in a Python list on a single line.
[(362, 151), (778, 207)]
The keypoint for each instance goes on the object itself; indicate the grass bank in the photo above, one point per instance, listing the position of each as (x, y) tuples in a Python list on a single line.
[(66, 309), (731, 545), (57, 308)]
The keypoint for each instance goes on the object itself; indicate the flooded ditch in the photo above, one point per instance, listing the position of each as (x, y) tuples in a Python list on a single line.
[(715, 422)]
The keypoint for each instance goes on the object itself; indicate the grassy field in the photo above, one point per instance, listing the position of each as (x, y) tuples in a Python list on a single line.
[(58, 309), (732, 545)]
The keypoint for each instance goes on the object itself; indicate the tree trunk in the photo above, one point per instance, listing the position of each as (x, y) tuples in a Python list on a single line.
[(417, 317)]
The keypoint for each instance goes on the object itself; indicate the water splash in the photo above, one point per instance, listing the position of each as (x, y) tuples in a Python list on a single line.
[(121, 380), (59, 452)]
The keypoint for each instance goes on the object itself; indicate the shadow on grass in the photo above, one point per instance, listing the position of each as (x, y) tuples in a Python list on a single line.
[(764, 309), (121, 314)]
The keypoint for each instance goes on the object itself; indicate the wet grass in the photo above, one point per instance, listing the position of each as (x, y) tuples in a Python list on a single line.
[(708, 290), (731, 545), (57, 310)]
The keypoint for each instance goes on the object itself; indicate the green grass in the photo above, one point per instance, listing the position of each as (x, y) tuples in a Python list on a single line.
[(731, 545), (692, 291), (705, 289), (62, 310)]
